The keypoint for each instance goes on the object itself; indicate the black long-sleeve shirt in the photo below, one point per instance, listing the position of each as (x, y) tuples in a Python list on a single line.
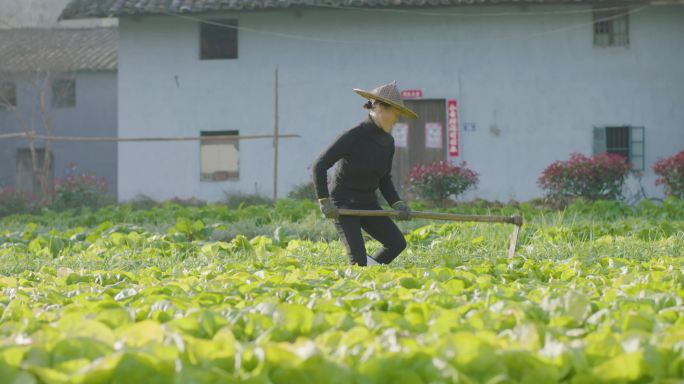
[(365, 155)]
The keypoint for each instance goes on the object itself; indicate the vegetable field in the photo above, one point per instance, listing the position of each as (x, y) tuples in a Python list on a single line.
[(261, 294)]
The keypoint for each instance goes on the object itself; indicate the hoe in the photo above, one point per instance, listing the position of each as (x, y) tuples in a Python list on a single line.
[(517, 221)]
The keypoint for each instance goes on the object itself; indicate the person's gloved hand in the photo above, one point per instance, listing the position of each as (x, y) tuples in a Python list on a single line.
[(328, 209), (404, 210)]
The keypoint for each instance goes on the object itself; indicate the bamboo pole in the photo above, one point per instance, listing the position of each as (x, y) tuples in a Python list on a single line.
[(12, 135), (134, 139), (275, 141)]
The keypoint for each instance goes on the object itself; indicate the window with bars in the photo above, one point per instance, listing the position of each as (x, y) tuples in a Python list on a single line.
[(219, 40), (622, 140), (611, 27), (64, 93), (220, 157), (8, 96)]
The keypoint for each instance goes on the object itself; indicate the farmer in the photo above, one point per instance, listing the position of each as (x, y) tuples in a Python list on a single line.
[(364, 156)]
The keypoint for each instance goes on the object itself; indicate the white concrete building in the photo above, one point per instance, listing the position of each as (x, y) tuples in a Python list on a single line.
[(58, 81), (534, 82)]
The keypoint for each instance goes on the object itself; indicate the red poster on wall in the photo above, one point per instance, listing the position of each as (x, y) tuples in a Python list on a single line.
[(452, 126), (412, 94)]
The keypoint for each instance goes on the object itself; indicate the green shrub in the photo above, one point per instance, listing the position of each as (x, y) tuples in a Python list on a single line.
[(237, 200), (304, 191), (187, 202), (142, 202)]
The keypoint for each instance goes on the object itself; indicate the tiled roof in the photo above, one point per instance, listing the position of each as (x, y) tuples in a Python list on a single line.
[(106, 8), (58, 49)]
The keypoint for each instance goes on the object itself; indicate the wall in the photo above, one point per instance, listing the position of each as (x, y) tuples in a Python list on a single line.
[(536, 77)]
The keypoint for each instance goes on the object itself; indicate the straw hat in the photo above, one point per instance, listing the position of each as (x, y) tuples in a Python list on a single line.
[(388, 93)]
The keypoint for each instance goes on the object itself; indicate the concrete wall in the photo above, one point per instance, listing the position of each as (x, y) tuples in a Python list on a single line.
[(536, 77), (95, 114)]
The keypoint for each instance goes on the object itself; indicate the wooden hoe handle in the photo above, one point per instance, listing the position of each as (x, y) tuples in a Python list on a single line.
[(515, 220)]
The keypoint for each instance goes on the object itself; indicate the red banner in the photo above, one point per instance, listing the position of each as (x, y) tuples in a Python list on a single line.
[(452, 118)]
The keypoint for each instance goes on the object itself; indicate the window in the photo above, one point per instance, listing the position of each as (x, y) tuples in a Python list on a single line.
[(611, 27), (219, 41), (623, 140), (220, 157), (8, 96), (64, 93)]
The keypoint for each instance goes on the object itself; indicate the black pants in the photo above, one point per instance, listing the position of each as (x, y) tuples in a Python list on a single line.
[(381, 229)]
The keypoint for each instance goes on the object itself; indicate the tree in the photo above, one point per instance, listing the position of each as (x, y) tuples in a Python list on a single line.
[(31, 63)]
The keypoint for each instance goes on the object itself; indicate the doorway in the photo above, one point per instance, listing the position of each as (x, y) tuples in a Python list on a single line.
[(27, 180), (420, 141)]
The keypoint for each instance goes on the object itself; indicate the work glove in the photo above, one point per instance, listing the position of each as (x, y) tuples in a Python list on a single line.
[(404, 210), (328, 209)]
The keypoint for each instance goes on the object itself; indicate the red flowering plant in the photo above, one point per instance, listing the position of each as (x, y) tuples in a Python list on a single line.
[(671, 172), (600, 177), (77, 189), (13, 201), (437, 181)]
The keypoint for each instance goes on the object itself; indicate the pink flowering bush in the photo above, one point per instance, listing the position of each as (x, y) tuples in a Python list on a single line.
[(13, 201), (671, 172), (599, 177), (74, 190), (79, 189), (437, 181)]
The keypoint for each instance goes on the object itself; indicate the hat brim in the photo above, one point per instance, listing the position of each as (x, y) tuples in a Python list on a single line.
[(402, 109)]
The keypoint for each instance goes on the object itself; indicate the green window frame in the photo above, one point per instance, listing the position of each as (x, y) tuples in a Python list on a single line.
[(611, 27), (623, 140)]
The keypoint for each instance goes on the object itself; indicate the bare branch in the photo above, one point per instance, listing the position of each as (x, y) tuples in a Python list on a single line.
[(38, 71)]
